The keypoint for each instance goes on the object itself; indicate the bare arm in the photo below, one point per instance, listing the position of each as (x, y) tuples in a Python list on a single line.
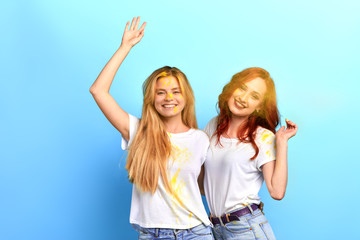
[(275, 172), (100, 88)]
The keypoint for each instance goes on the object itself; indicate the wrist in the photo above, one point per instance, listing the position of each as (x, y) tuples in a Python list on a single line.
[(126, 47), (281, 143)]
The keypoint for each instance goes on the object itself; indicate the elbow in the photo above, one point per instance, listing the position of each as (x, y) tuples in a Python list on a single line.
[(277, 195), (97, 90), (92, 90)]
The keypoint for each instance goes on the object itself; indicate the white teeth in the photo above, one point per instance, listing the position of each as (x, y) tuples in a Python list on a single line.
[(169, 106), (241, 105)]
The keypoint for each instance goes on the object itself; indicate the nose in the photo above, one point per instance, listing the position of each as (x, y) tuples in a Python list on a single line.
[(243, 97), (169, 97)]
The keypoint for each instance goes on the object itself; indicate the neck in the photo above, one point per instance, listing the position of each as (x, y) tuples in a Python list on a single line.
[(235, 123), (174, 124)]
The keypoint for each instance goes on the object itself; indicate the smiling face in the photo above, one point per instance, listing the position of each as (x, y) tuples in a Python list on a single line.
[(247, 98), (169, 101)]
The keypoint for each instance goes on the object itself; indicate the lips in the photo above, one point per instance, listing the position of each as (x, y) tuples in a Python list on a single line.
[(239, 104), (169, 106)]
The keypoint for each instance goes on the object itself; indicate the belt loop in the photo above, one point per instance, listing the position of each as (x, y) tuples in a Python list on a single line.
[(250, 208), (156, 232), (221, 222), (261, 207), (227, 216)]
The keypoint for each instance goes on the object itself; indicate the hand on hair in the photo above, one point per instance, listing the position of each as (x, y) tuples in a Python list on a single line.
[(283, 135), (131, 35)]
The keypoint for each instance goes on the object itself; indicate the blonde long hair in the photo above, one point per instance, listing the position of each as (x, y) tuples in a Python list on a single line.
[(151, 146)]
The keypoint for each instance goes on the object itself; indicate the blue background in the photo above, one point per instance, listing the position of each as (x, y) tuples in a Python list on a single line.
[(62, 170)]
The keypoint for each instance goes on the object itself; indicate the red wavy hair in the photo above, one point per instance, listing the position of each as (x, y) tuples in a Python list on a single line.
[(267, 117)]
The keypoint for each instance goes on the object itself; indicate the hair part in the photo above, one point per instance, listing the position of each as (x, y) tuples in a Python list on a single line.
[(267, 117), (151, 147)]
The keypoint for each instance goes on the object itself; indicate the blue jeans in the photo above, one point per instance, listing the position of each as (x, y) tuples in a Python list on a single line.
[(251, 226), (200, 232)]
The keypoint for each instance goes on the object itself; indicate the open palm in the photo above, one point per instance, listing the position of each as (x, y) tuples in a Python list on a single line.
[(131, 34)]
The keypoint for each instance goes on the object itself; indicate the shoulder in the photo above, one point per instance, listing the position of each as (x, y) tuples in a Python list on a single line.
[(133, 119), (264, 135), (211, 126), (201, 135)]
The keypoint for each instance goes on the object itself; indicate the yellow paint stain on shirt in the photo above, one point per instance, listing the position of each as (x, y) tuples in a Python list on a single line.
[(174, 177), (177, 187), (179, 156), (268, 153), (190, 214), (265, 136)]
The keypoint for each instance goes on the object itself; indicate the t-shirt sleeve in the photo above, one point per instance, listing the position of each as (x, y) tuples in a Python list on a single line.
[(267, 151), (210, 127), (206, 143), (133, 126)]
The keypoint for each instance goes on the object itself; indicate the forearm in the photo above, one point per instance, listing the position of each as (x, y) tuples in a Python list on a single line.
[(279, 177), (104, 80)]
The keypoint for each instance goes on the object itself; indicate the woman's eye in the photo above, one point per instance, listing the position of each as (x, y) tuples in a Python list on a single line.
[(160, 93), (242, 87), (254, 96), (177, 92)]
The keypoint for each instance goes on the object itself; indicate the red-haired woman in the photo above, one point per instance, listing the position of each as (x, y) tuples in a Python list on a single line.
[(242, 155)]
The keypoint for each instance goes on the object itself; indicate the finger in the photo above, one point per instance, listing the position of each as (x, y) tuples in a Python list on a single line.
[(127, 26), (289, 123), (142, 27), (137, 23), (132, 24), (281, 129), (141, 33), (140, 36)]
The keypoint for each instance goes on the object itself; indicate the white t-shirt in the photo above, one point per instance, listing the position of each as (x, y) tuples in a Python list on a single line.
[(161, 209), (231, 178)]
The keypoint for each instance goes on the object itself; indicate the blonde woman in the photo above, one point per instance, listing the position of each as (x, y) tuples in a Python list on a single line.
[(166, 150)]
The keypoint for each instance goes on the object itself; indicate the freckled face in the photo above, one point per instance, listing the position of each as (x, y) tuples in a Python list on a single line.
[(169, 101), (247, 98)]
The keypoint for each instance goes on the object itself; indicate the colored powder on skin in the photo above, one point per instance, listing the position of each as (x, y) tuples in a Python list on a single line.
[(171, 96), (168, 83), (237, 91), (175, 109)]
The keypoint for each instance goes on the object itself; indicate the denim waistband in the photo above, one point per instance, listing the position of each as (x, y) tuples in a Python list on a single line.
[(165, 231)]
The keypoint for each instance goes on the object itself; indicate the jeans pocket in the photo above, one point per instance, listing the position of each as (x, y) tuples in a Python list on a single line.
[(143, 233), (239, 227), (201, 230), (266, 228)]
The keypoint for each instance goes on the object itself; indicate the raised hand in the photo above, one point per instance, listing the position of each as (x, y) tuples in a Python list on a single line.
[(285, 134), (131, 34)]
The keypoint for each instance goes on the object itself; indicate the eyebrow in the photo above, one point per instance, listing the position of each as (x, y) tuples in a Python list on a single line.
[(244, 85), (162, 89)]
